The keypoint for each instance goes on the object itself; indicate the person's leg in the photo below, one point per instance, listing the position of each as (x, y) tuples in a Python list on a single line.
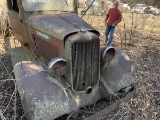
[(112, 31), (108, 28)]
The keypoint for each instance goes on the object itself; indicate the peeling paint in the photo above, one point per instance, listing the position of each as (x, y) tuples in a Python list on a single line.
[(49, 109), (126, 81), (52, 29), (49, 77)]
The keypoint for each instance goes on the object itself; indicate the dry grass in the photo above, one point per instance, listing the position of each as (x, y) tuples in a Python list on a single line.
[(140, 38)]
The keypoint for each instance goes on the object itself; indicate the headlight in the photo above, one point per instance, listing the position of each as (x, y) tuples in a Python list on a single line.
[(57, 67), (108, 53)]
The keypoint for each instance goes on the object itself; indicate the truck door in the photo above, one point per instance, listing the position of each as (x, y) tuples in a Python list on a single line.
[(16, 21)]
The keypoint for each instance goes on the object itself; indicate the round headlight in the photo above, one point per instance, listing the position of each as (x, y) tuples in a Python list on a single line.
[(108, 53), (57, 66)]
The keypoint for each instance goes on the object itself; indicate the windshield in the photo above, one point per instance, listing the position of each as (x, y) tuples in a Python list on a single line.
[(47, 5)]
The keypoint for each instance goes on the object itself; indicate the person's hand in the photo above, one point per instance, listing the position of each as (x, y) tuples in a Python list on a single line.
[(105, 22), (113, 24)]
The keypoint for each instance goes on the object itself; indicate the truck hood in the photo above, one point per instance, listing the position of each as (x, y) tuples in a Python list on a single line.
[(59, 25)]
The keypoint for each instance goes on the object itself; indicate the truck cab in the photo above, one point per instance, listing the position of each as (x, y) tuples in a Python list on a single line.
[(31, 20)]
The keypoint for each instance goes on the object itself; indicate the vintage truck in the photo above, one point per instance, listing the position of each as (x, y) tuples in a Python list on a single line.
[(77, 71)]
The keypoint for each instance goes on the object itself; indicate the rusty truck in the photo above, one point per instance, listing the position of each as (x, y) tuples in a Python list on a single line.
[(77, 71)]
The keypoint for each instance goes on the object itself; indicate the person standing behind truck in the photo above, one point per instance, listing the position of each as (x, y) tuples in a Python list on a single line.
[(113, 17)]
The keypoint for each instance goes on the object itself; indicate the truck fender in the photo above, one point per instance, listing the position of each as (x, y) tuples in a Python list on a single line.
[(116, 71)]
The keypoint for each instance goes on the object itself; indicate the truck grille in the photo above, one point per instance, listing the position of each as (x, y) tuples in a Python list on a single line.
[(85, 64)]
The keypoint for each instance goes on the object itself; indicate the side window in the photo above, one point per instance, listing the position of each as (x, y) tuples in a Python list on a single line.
[(12, 5)]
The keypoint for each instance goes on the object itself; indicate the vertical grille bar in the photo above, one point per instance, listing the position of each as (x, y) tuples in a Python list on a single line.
[(85, 64)]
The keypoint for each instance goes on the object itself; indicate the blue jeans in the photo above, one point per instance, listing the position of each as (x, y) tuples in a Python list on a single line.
[(109, 30)]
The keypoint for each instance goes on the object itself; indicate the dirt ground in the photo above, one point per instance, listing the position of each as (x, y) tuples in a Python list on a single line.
[(144, 51)]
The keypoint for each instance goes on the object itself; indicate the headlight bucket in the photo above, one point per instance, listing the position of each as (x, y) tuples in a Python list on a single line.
[(57, 67), (108, 53)]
